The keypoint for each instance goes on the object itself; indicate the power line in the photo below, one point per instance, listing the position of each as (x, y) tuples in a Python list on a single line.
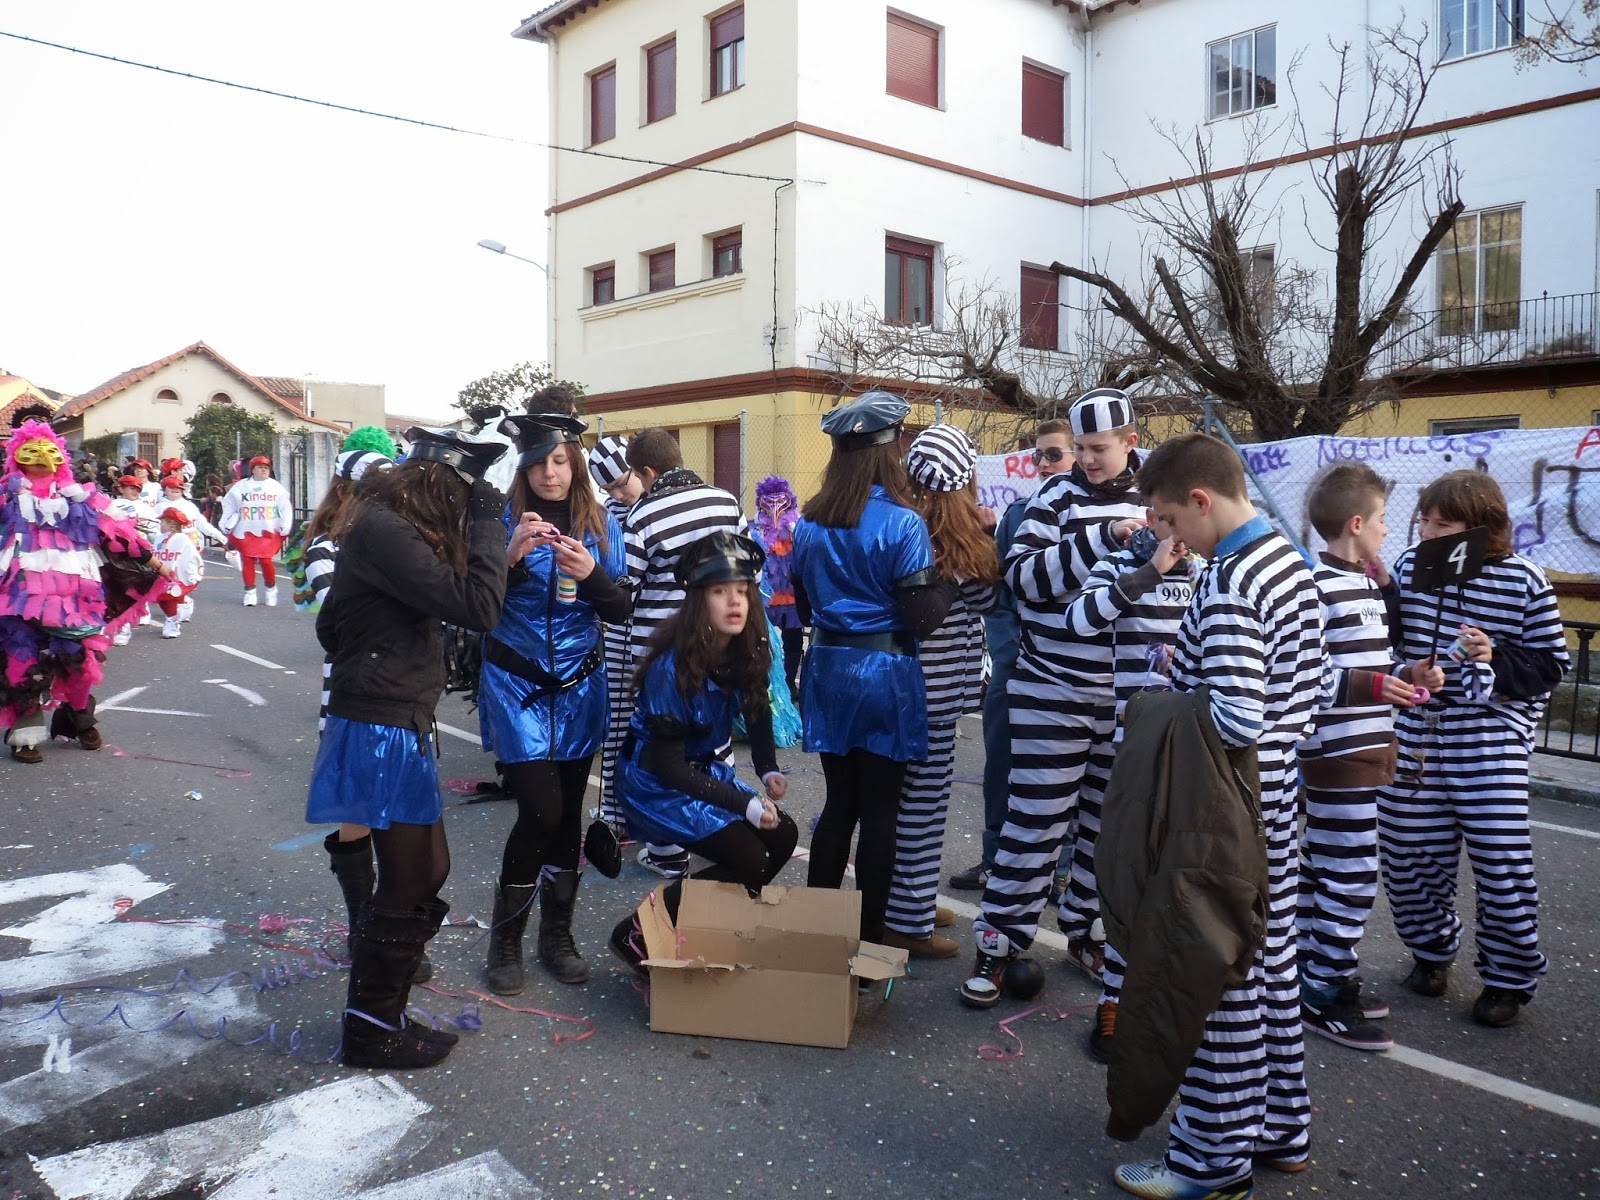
[(368, 112)]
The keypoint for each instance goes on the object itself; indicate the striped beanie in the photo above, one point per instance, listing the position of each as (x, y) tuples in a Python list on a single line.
[(1100, 411), (608, 461), (942, 459), (353, 464)]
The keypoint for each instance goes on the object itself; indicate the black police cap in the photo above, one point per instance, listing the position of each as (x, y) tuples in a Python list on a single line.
[(870, 420), (537, 434), (721, 557), (469, 459)]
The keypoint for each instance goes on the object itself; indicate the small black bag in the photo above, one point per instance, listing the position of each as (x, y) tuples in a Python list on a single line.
[(602, 849)]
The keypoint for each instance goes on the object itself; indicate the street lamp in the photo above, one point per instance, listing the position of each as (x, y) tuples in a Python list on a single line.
[(500, 248)]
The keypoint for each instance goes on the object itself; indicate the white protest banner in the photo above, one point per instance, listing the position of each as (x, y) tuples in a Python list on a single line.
[(1551, 478)]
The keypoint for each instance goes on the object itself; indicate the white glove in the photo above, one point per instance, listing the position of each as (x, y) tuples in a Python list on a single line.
[(755, 811), (234, 559)]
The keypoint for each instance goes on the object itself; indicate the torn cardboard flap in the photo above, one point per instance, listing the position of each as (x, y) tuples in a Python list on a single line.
[(878, 963)]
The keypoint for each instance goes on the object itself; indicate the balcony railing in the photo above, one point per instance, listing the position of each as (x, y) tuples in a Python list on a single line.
[(1506, 333)]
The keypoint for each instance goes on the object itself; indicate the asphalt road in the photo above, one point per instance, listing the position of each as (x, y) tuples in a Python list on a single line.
[(194, 811)]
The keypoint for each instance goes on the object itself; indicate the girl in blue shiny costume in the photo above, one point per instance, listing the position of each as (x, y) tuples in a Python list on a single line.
[(542, 692), (864, 580), (707, 664)]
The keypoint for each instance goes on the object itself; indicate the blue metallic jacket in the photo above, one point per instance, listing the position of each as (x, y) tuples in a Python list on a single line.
[(853, 697), (558, 637)]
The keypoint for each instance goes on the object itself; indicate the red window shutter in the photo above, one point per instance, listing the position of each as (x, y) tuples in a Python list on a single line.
[(663, 270), (913, 61), (725, 456), (729, 27), (602, 106), (662, 67), (1044, 105), (1041, 314)]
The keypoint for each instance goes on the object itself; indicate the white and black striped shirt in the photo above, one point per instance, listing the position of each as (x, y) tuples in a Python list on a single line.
[(319, 562), (1512, 601), (1253, 635), (1355, 626), (1064, 532), (1129, 625), (952, 655), (661, 524)]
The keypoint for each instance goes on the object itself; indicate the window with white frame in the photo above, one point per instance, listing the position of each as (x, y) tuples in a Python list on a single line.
[(1478, 26), (1242, 73), (1479, 268)]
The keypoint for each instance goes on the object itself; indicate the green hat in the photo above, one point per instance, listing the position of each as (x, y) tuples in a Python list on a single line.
[(370, 437)]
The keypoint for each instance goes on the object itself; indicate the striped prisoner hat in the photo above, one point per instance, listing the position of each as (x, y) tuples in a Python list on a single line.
[(942, 459), (353, 464), (608, 461), (1101, 410)]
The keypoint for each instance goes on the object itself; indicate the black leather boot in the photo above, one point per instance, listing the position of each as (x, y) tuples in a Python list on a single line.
[(557, 951), (384, 950), (351, 864), (512, 903)]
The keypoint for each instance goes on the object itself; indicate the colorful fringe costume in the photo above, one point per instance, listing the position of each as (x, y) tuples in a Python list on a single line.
[(57, 608)]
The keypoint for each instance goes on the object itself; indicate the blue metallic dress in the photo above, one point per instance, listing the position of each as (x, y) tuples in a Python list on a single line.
[(522, 719), (853, 697), (374, 775), (658, 813)]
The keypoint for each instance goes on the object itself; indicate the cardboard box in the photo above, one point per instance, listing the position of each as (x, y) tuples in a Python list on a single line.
[(777, 968)]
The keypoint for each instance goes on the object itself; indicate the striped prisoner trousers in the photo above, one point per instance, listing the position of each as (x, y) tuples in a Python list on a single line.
[(1463, 778), (619, 686), (1079, 908), (1245, 1089), (919, 836), (1338, 882), (1052, 732)]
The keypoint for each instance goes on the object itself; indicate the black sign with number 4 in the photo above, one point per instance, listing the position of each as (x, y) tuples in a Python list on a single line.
[(1446, 561)]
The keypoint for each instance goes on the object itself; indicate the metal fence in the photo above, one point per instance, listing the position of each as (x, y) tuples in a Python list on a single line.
[(1572, 718), (1500, 333)]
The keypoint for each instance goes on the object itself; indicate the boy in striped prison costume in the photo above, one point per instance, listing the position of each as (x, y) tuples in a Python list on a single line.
[(942, 463), (1136, 599), (608, 467), (1463, 770), (1253, 636), (1060, 694), (1348, 756), (677, 509)]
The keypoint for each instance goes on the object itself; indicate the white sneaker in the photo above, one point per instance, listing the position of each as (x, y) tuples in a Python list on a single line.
[(172, 627), (250, 598), (123, 636), (272, 597), (186, 610), (147, 619)]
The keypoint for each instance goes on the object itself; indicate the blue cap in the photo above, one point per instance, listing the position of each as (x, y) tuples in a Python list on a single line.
[(869, 420)]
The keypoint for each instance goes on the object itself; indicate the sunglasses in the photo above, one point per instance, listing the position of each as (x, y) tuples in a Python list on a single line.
[(1053, 454)]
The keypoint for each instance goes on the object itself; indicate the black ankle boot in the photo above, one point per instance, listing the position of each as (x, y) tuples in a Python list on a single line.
[(627, 943), (384, 949), (557, 951), (351, 864), (512, 903)]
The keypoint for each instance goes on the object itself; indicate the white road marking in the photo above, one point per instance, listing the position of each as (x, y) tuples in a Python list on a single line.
[(155, 712), (1588, 833), (80, 937), (254, 697), (481, 1177), (458, 733), (121, 696), (327, 1141), (19, 846), (260, 662), (57, 1057), (1510, 1089)]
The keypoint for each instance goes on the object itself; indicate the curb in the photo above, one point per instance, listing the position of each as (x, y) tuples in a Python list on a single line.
[(1569, 793)]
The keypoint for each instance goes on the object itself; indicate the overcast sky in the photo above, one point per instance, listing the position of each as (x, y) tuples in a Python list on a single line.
[(143, 212)]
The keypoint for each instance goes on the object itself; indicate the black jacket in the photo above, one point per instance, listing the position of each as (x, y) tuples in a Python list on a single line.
[(1182, 875), (381, 621)]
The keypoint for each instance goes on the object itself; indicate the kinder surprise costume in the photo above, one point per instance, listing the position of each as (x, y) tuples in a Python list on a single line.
[(57, 608), (257, 514)]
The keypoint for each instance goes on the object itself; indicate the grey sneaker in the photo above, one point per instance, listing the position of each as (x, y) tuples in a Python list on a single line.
[(973, 879)]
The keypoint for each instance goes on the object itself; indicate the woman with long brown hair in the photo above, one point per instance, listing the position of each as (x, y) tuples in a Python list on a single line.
[(864, 579), (708, 663), (942, 463), (542, 703), (425, 545)]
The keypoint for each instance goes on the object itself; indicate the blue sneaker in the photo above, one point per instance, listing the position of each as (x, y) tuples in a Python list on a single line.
[(1154, 1181)]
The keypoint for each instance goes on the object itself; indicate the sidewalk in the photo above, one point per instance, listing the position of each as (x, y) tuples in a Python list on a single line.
[(1575, 780)]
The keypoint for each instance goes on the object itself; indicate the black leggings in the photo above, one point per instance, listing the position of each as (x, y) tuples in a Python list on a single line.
[(741, 853), (413, 863), (549, 826), (864, 789), (794, 645)]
